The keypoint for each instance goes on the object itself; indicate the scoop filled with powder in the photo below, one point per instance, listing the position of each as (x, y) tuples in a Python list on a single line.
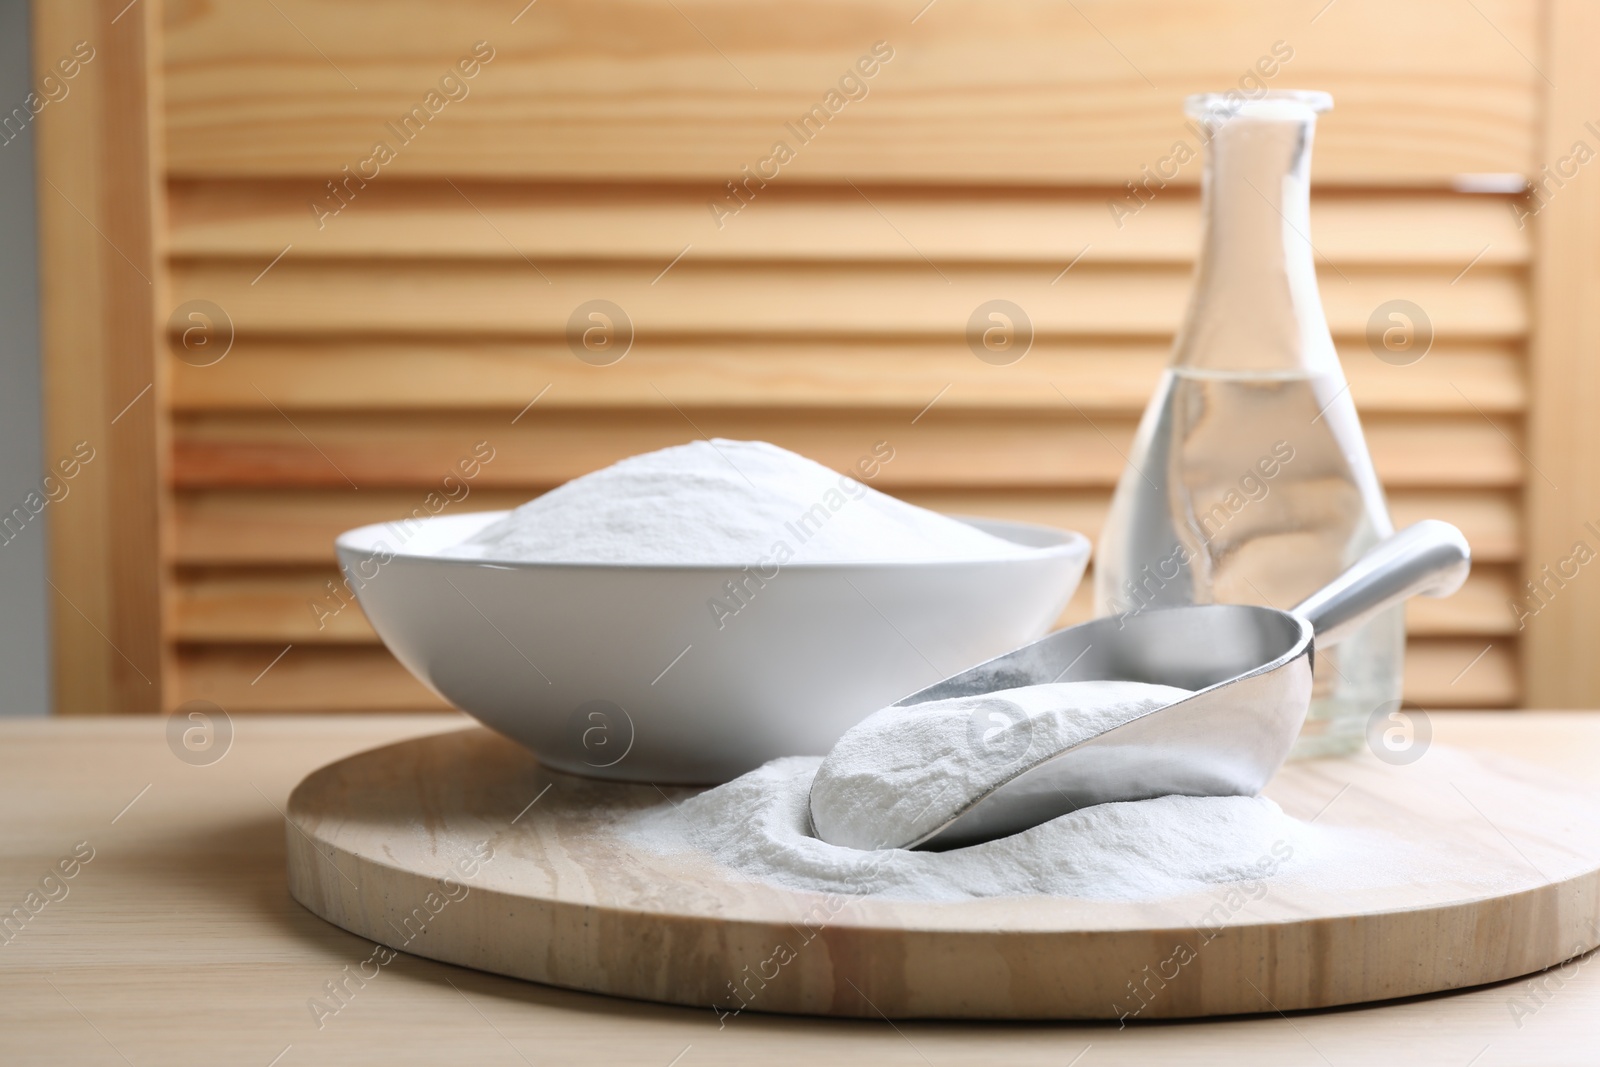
[(903, 772)]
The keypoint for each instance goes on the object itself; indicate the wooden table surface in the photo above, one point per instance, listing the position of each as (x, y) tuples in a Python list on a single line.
[(174, 941)]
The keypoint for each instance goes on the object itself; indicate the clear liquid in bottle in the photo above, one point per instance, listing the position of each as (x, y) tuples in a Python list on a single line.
[(1249, 481)]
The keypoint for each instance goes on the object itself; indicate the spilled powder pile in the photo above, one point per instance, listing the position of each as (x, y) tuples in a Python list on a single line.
[(736, 503), (901, 773), (758, 827)]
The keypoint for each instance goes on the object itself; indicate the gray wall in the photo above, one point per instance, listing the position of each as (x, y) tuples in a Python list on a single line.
[(24, 607)]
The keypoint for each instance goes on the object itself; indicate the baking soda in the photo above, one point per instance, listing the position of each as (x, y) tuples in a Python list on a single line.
[(731, 503), (758, 827), (902, 773)]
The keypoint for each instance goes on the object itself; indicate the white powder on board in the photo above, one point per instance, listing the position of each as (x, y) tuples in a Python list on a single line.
[(758, 827), (901, 773), (737, 503)]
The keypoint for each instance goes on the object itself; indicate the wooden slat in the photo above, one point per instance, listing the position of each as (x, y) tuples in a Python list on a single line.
[(369, 679), (1438, 453), (252, 221), (1564, 437), (265, 606), (1020, 90), (909, 297), (1478, 607), (99, 221), (505, 375), (1492, 521), (551, 447), (1099, 376), (314, 680), (1448, 673), (297, 527), (939, 450), (277, 527)]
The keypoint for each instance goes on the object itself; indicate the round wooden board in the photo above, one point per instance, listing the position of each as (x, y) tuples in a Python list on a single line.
[(460, 847)]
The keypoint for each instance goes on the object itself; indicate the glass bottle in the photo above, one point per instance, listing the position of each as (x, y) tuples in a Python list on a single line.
[(1249, 480)]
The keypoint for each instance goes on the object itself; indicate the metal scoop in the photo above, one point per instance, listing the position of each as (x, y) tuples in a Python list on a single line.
[(1250, 668)]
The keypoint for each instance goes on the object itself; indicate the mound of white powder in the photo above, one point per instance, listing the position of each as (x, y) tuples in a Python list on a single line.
[(737, 503), (758, 827), (901, 773)]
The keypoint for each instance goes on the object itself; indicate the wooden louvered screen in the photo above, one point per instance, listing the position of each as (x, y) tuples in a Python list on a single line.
[(375, 347)]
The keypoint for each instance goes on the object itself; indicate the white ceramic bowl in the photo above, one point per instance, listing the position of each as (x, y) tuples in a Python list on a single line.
[(627, 672)]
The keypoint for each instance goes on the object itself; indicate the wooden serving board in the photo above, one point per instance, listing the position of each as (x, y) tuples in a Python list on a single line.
[(460, 847)]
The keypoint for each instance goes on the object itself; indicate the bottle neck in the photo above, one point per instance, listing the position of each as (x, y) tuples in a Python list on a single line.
[(1255, 305)]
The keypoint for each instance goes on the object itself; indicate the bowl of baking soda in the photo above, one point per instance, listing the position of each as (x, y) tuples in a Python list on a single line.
[(687, 615)]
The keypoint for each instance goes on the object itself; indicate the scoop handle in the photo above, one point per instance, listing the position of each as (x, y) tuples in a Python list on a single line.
[(1430, 558)]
